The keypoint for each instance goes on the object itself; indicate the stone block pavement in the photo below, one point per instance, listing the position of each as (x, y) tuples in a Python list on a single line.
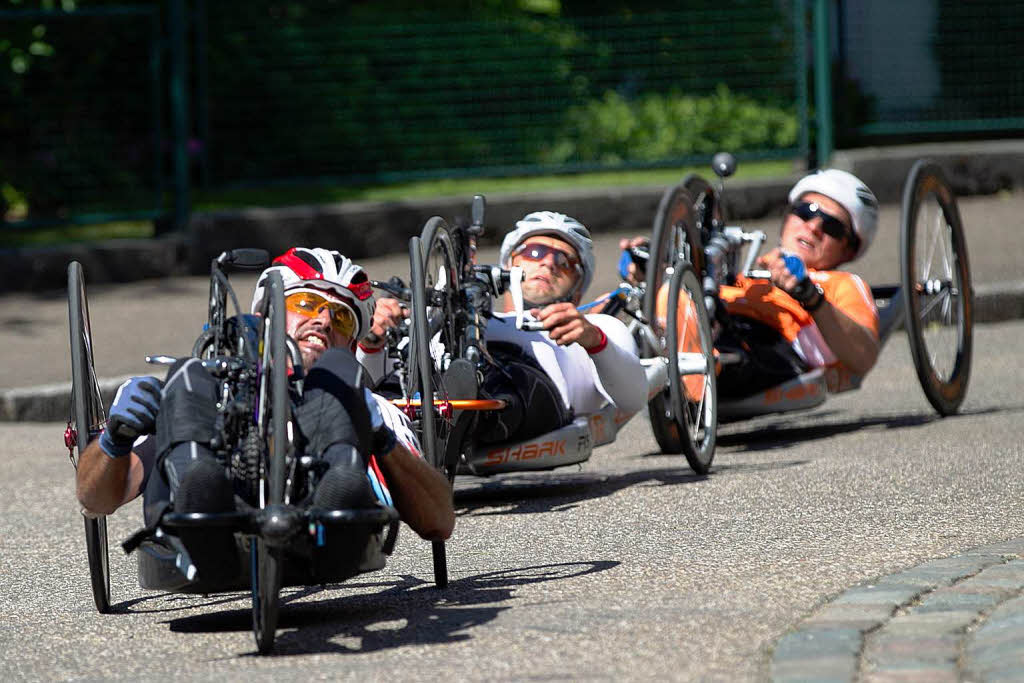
[(959, 618)]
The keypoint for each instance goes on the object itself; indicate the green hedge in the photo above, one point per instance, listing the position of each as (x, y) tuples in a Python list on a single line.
[(657, 127)]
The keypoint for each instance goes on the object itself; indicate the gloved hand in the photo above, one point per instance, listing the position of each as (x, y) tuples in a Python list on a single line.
[(384, 439), (806, 292), (132, 414)]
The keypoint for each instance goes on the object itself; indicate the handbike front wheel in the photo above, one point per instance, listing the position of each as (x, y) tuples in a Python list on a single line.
[(935, 281), (693, 385), (674, 233), (89, 421), (272, 422), (433, 448)]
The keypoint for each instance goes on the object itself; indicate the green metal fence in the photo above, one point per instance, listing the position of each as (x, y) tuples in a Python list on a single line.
[(313, 94), (117, 111), (80, 119)]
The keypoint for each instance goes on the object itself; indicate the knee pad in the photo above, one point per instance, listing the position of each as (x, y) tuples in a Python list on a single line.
[(188, 406), (345, 483), (536, 405), (198, 483)]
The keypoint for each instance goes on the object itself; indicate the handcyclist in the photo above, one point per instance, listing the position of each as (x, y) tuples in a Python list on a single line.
[(577, 363), (828, 319), (329, 305)]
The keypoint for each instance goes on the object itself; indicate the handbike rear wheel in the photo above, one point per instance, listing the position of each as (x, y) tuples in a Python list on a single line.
[(693, 385), (89, 418), (272, 422), (935, 281)]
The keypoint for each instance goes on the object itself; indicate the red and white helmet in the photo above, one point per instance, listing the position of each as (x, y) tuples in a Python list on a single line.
[(326, 270)]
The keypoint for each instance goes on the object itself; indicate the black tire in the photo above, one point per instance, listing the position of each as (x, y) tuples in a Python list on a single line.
[(440, 278), (273, 416), (708, 212), (694, 398), (674, 227), (936, 285), (674, 223), (442, 268), (426, 370), (90, 418)]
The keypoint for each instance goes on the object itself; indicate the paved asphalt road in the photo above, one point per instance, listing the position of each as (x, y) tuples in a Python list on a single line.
[(629, 568)]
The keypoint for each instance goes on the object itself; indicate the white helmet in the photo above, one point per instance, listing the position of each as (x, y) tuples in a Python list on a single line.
[(325, 270), (557, 225), (851, 193)]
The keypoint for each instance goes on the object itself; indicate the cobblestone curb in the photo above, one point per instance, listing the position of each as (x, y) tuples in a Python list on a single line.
[(952, 619)]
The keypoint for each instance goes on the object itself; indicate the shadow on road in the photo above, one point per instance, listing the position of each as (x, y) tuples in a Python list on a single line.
[(789, 431), (543, 492), (404, 611), (785, 431), (181, 601)]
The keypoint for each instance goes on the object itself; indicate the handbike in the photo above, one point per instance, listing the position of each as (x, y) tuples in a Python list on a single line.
[(933, 299), (280, 538), (452, 300)]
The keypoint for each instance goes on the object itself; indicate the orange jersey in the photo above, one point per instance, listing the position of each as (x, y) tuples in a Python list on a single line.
[(762, 301)]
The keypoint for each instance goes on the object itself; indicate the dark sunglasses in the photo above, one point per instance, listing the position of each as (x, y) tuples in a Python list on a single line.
[(832, 226), (567, 263)]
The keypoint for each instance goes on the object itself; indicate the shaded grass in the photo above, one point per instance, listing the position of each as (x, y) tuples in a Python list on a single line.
[(68, 234), (283, 195)]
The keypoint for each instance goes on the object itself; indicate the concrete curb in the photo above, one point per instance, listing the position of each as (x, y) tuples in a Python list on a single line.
[(48, 402), (377, 228), (51, 402)]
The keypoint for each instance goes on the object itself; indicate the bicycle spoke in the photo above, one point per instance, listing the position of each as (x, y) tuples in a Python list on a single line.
[(940, 298), (932, 239)]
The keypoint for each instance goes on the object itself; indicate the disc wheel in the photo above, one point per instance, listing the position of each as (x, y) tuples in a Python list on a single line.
[(89, 420), (674, 233), (693, 391), (273, 416), (935, 280)]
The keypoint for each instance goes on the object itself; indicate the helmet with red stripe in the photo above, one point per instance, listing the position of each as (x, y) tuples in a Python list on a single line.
[(325, 270)]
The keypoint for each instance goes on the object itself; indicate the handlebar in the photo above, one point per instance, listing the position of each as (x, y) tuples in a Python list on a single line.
[(395, 287), (244, 258)]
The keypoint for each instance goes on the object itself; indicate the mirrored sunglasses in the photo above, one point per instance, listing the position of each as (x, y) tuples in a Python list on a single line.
[(831, 225), (310, 305), (534, 252)]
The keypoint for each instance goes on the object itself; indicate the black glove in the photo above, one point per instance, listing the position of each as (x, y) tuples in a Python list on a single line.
[(132, 414), (806, 292)]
